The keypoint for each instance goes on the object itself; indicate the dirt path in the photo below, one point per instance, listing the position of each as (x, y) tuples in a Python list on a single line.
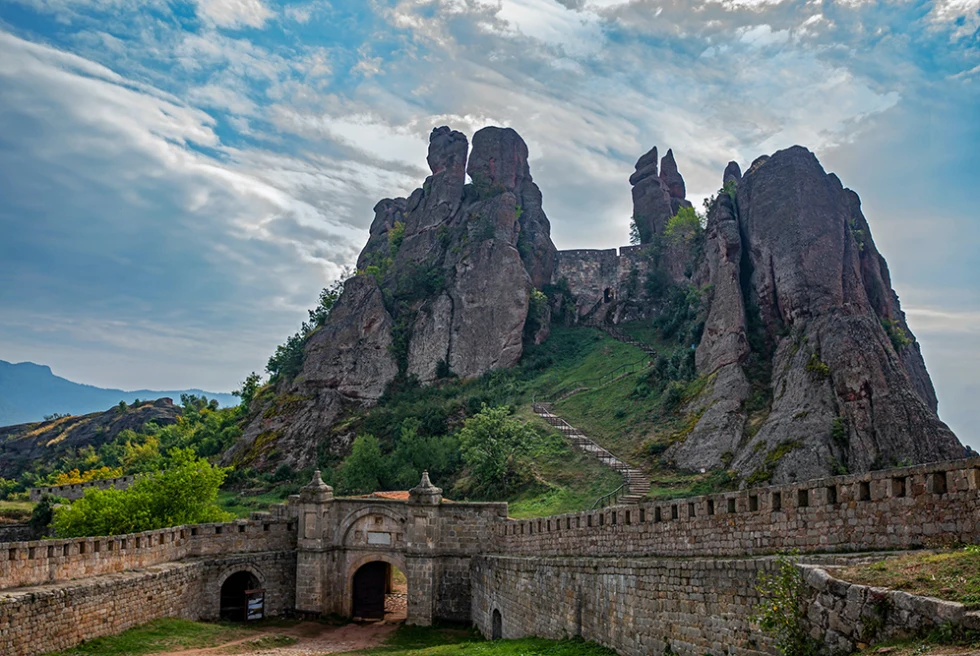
[(312, 639)]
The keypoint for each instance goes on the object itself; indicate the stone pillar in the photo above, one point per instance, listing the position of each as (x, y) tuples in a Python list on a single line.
[(314, 540), (423, 537), (421, 589)]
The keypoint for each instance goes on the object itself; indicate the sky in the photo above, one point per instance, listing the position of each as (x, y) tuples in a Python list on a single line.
[(178, 180)]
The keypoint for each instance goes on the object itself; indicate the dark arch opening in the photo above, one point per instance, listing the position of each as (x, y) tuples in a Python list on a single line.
[(234, 600), (497, 628), (608, 295), (380, 592)]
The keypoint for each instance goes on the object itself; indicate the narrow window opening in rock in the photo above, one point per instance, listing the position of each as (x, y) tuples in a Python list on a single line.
[(690, 511), (711, 507), (802, 498), (673, 512), (731, 506), (656, 515), (753, 503), (832, 495), (938, 483), (643, 515), (864, 491), (241, 528)]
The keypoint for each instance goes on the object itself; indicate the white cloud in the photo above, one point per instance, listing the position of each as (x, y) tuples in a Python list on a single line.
[(234, 14), (761, 36), (961, 16)]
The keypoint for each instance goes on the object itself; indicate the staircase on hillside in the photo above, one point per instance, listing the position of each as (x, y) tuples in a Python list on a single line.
[(635, 483), (620, 336)]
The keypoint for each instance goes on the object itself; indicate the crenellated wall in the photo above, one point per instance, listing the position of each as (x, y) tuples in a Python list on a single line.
[(904, 508), (74, 491), (40, 562)]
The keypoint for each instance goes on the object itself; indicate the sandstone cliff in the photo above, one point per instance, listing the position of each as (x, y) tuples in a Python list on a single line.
[(443, 288), (812, 368)]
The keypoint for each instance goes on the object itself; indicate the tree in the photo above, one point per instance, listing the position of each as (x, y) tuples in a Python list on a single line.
[(683, 227), (364, 469), (634, 232), (415, 453), (249, 387), (184, 493), (491, 442)]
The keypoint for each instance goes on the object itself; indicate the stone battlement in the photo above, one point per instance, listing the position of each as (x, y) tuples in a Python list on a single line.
[(902, 508), (74, 491)]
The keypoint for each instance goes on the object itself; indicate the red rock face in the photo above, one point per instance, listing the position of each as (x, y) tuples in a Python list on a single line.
[(456, 285), (810, 276)]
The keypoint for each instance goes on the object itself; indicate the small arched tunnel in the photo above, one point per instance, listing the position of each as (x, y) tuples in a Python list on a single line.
[(608, 295), (497, 628), (380, 592), (235, 594)]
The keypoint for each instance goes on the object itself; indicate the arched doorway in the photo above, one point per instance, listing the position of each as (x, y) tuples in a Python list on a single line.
[(380, 592), (497, 629), (234, 597)]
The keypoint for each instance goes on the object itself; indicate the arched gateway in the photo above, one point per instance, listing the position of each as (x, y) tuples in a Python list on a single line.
[(347, 548)]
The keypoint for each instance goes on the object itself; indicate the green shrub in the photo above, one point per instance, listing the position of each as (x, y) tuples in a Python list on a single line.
[(818, 367), (185, 493), (363, 470), (782, 613), (684, 227), (899, 338), (491, 442)]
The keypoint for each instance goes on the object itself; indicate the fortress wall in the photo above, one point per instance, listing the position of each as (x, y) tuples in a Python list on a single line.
[(589, 273), (634, 606), (903, 508), (58, 616), (44, 561), (77, 490)]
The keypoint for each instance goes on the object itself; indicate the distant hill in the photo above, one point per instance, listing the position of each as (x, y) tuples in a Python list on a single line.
[(29, 392)]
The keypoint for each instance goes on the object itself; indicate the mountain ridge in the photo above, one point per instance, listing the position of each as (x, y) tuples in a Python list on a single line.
[(21, 384)]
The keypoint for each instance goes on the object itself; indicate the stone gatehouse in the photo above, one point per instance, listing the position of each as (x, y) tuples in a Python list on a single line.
[(635, 578)]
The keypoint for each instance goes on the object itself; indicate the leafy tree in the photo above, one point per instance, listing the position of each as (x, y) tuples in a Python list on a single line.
[(491, 443), (415, 453), (74, 476), (249, 387), (684, 226), (634, 232), (364, 469), (184, 493), (42, 515)]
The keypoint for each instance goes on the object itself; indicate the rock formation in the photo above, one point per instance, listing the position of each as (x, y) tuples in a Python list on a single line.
[(443, 286), (813, 369)]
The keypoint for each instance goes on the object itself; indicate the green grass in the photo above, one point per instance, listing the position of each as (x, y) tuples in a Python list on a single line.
[(951, 575), (417, 641), (15, 511), (159, 636), (241, 506), (567, 479)]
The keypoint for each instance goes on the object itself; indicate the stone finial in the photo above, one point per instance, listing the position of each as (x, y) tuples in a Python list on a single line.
[(316, 490), (425, 491)]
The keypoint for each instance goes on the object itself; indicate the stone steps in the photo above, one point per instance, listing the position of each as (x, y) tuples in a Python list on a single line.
[(636, 482)]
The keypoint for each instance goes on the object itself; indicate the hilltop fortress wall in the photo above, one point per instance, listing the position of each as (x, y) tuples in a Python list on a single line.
[(631, 577)]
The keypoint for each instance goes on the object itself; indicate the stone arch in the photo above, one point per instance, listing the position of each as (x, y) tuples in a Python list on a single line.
[(347, 523), (232, 598), (213, 589), (496, 625), (392, 558)]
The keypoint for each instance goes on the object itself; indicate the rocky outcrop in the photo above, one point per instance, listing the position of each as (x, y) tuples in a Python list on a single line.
[(801, 305), (443, 286)]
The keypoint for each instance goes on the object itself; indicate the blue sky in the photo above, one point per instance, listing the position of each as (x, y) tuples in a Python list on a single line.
[(179, 179)]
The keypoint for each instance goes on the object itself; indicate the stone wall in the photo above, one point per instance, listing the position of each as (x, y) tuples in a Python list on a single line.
[(53, 617), (44, 561), (843, 614), (905, 508), (77, 490), (599, 277), (634, 606)]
